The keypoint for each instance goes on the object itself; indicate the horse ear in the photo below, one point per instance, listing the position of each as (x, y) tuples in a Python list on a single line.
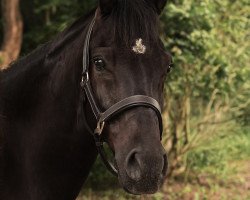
[(159, 5), (106, 6)]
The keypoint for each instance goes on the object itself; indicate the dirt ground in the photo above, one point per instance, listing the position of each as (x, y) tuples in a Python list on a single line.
[(203, 187), (236, 187)]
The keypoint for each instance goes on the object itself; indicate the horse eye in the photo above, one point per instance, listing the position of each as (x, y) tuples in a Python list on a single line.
[(99, 63)]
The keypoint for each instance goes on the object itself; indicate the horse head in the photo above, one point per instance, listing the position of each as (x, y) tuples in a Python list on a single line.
[(127, 58)]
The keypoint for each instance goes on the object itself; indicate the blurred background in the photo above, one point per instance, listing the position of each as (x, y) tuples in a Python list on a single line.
[(207, 94)]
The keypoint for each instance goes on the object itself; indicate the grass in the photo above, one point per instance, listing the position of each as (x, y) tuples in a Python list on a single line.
[(1, 60), (215, 157)]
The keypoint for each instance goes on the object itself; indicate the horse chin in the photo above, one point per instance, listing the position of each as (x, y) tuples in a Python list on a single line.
[(140, 187), (140, 191)]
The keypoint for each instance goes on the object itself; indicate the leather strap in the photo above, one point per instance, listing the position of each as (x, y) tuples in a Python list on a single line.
[(89, 93), (85, 59), (99, 145)]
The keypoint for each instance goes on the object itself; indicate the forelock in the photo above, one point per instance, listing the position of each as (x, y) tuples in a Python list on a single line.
[(134, 19)]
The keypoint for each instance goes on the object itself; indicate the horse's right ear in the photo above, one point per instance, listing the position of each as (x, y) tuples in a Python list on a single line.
[(106, 6)]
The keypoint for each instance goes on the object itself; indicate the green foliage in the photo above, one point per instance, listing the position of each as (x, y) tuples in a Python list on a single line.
[(215, 156), (207, 38), (44, 19), (1, 60), (209, 85)]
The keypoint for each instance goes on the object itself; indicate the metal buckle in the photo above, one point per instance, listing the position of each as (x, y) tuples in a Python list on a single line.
[(85, 79), (99, 128)]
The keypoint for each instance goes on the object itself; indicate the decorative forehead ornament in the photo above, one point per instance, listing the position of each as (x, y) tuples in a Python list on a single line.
[(139, 48)]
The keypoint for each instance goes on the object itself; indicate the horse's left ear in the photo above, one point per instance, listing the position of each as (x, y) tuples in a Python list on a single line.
[(106, 6), (159, 5)]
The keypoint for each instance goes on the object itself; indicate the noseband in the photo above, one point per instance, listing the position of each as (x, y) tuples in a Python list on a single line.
[(121, 106)]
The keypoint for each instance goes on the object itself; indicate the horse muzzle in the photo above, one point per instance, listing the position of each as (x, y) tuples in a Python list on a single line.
[(143, 171)]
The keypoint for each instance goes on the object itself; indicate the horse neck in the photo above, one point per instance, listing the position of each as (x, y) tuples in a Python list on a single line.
[(41, 100), (52, 71), (1, 142)]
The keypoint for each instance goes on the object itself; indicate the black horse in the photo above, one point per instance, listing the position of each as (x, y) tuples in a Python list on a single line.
[(46, 115)]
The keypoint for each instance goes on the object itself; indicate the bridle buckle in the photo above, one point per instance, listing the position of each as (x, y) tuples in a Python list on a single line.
[(99, 128), (85, 79)]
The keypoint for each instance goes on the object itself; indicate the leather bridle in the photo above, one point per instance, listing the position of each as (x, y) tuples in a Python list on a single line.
[(121, 106)]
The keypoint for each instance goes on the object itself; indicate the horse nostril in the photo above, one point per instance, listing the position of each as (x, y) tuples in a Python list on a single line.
[(133, 165), (140, 165)]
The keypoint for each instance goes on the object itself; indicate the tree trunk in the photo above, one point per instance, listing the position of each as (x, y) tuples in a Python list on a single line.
[(13, 32)]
